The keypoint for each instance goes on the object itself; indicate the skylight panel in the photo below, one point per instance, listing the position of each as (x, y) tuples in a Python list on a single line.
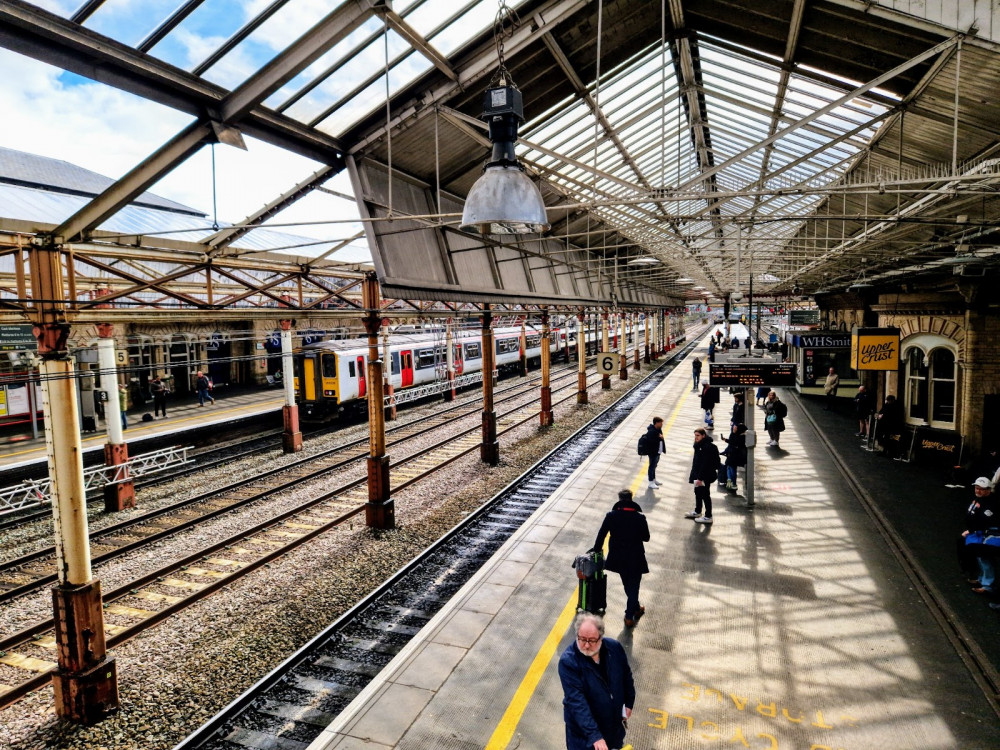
[(472, 20), (268, 40)]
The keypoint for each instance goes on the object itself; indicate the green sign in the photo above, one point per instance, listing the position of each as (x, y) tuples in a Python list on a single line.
[(17, 337)]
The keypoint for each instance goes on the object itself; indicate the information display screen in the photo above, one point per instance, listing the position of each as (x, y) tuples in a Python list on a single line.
[(751, 374)]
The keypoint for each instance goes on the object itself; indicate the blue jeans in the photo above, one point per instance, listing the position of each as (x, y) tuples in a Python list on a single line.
[(697, 379), (987, 572), (653, 461), (202, 395)]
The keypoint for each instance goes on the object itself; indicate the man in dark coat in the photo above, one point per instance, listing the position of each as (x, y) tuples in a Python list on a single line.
[(626, 527), (696, 372), (598, 689), (704, 470), (653, 441), (889, 425), (863, 409)]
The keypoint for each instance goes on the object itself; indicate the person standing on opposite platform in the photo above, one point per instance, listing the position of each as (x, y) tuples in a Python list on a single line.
[(653, 442), (711, 350), (888, 426), (830, 390), (159, 391), (598, 689), (863, 410), (981, 517), (774, 418), (204, 385), (696, 372), (704, 470), (627, 531), (122, 405)]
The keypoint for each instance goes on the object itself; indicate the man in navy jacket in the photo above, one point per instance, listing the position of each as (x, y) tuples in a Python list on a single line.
[(598, 691)]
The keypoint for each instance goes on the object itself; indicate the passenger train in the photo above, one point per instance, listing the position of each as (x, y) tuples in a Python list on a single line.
[(330, 376)]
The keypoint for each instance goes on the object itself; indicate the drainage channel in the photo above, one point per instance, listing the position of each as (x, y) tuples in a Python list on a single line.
[(289, 707)]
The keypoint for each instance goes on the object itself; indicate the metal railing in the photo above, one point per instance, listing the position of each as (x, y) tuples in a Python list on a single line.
[(33, 492)]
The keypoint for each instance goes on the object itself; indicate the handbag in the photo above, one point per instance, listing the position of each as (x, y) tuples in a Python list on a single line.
[(770, 419)]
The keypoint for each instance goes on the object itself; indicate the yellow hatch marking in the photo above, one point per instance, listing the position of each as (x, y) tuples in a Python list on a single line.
[(225, 563)]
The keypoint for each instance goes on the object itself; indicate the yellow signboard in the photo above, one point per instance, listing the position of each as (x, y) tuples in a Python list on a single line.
[(875, 348), (3, 402)]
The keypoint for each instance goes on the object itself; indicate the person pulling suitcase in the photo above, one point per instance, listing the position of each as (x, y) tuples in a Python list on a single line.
[(626, 529)]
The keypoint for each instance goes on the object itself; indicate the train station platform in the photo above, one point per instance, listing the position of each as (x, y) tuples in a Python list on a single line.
[(183, 414), (792, 625)]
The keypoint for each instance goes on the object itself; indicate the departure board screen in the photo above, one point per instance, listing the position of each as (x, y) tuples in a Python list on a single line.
[(751, 374)]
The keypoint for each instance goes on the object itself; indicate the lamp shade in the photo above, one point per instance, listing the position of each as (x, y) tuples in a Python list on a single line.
[(504, 200)]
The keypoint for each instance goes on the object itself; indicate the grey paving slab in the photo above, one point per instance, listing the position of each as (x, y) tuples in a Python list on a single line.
[(790, 626)]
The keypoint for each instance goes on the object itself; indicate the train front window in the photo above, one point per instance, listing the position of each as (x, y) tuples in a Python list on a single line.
[(329, 365)]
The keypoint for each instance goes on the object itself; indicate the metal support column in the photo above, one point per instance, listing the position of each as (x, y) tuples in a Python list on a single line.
[(390, 410), (634, 318), (86, 682), (648, 324), (117, 495), (449, 358), (605, 347), (291, 437), (522, 344), (622, 349), (380, 510), (750, 413), (489, 451), (581, 353), (545, 415)]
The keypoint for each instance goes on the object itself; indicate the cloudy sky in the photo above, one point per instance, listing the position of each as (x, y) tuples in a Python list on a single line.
[(60, 115)]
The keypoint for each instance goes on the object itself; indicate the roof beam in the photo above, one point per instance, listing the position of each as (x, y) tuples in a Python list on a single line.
[(414, 39)]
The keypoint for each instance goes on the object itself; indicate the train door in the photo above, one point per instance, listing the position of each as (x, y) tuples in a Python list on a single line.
[(309, 377), (361, 377), (406, 368), (459, 366)]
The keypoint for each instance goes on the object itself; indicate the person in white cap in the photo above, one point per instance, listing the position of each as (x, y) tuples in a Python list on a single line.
[(981, 517)]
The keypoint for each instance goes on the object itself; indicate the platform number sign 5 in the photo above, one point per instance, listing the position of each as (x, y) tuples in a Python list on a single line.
[(607, 363), (121, 356)]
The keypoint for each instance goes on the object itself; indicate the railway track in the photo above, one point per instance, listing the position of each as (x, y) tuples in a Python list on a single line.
[(213, 457), (26, 656), (32, 571), (290, 706)]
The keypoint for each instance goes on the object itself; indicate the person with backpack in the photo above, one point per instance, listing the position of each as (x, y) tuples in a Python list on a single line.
[(704, 470), (204, 386), (696, 372), (774, 418), (651, 444)]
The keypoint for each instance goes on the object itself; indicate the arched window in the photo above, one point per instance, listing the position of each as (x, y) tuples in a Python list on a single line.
[(930, 386)]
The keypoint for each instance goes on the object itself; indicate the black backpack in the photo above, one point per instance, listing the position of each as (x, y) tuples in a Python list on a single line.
[(643, 446)]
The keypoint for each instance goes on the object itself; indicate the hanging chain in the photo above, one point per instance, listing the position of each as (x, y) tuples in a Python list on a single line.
[(504, 25)]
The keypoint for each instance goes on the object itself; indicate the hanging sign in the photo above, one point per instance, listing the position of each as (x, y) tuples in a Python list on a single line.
[(751, 374), (17, 337), (875, 348)]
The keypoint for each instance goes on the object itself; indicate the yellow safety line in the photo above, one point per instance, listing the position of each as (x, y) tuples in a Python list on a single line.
[(515, 710)]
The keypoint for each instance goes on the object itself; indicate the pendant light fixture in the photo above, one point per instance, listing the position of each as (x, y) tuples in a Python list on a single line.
[(504, 200)]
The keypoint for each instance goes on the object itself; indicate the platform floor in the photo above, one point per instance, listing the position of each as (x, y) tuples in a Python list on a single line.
[(789, 626), (183, 413)]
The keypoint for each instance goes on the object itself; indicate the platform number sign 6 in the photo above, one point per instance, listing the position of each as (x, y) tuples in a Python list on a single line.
[(607, 363)]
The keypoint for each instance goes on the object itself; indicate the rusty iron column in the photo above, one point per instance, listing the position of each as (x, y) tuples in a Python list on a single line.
[(668, 330), (546, 412), (635, 340), (522, 343), (605, 379), (117, 495), (291, 437), (622, 349), (380, 510), (647, 324), (86, 682), (581, 356), (489, 451), (449, 358), (390, 410)]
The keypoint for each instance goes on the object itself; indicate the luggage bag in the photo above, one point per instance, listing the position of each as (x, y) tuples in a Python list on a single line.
[(592, 589)]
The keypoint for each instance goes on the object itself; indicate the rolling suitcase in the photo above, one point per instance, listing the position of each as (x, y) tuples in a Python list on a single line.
[(592, 590)]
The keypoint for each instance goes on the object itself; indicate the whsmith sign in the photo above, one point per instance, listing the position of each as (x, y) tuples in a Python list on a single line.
[(875, 348), (821, 340)]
